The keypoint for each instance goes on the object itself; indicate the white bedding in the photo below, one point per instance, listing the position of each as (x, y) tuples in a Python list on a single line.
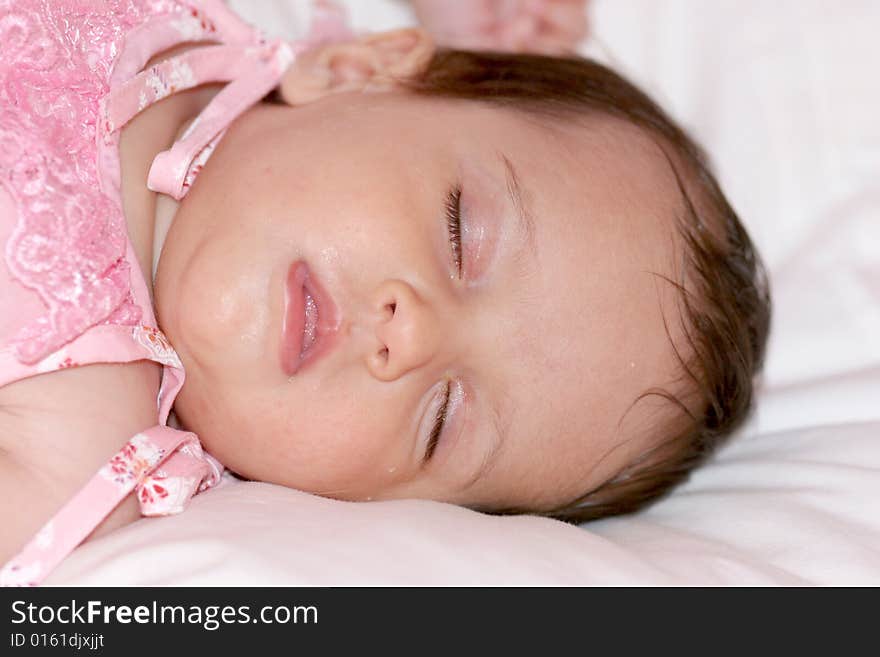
[(785, 97)]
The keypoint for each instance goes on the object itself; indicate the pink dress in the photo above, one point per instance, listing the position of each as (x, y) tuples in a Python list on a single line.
[(71, 290)]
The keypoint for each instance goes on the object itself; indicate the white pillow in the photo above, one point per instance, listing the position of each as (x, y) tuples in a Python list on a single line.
[(792, 508)]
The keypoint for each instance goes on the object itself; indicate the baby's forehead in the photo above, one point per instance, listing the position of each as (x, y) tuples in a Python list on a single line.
[(601, 179), (590, 150), (620, 159)]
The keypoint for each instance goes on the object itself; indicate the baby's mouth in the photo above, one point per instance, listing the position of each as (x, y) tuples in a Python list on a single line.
[(294, 321), (309, 321)]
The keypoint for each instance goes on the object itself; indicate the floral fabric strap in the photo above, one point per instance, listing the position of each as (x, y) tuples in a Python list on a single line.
[(261, 73), (164, 466), (253, 70)]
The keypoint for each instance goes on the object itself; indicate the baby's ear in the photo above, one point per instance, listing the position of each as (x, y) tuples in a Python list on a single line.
[(370, 63)]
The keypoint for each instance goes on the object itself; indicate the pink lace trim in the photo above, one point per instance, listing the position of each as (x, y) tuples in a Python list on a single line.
[(69, 244)]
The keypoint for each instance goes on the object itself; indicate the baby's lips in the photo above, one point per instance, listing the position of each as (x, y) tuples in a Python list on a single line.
[(293, 319), (298, 351)]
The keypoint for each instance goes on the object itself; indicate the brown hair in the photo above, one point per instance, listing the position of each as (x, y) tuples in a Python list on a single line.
[(724, 301)]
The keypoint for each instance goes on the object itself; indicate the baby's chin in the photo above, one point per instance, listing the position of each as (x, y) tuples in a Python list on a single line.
[(191, 414), (219, 437)]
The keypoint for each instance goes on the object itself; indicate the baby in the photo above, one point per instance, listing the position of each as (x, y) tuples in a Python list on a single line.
[(506, 281)]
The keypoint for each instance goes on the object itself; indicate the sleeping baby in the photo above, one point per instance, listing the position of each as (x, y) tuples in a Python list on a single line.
[(365, 267)]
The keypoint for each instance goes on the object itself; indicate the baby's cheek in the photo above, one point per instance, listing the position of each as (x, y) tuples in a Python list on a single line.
[(342, 454), (322, 440)]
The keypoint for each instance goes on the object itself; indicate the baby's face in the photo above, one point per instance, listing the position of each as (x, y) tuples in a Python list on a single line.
[(546, 334)]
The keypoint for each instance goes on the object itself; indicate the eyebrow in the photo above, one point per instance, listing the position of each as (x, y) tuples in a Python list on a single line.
[(491, 457), (524, 215), (526, 231)]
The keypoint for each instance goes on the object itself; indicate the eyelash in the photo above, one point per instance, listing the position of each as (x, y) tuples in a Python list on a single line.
[(439, 423), (453, 226)]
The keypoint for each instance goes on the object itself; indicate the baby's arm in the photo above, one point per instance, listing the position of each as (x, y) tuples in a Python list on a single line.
[(57, 430), (551, 27)]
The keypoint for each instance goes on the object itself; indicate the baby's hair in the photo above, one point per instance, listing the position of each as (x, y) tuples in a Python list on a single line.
[(723, 300)]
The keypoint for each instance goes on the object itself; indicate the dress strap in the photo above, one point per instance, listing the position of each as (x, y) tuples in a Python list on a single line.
[(255, 71), (163, 465), (203, 65), (258, 73), (251, 66)]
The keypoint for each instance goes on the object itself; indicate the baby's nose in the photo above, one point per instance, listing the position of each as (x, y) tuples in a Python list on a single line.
[(407, 329)]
